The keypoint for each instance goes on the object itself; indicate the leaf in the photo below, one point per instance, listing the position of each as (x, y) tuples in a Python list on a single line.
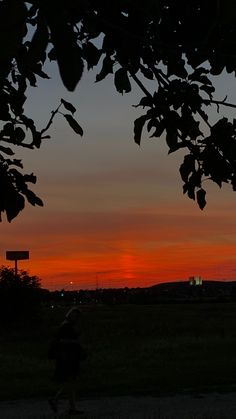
[(36, 139), (147, 72), (172, 140), (32, 198), (74, 124), (19, 134), (208, 89), (199, 76), (138, 127), (204, 80), (216, 66), (15, 203), (6, 150), (145, 101), (121, 81), (38, 43), (14, 162), (198, 71), (13, 16), (4, 111), (107, 68), (160, 127), (41, 73), (233, 182), (201, 193), (177, 68), (30, 178), (190, 190), (68, 52), (68, 106), (187, 167), (52, 55), (91, 54), (8, 128), (32, 79), (152, 123), (29, 123)]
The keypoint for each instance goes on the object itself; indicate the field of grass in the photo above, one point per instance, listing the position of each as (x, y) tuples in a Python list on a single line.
[(133, 349)]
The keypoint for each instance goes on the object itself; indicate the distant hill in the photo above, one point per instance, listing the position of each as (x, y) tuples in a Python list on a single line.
[(185, 284), (184, 291)]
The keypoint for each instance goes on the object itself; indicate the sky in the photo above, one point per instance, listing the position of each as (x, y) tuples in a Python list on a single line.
[(114, 213)]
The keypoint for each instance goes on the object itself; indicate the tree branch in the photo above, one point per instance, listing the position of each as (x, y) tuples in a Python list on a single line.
[(140, 84), (202, 115), (218, 102), (50, 120), (160, 76)]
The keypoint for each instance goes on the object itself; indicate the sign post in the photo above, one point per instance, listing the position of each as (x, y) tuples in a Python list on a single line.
[(17, 255)]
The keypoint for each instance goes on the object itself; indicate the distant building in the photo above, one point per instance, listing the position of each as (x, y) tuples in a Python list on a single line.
[(195, 280)]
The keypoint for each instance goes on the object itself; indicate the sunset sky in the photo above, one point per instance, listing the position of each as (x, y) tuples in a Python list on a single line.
[(114, 214)]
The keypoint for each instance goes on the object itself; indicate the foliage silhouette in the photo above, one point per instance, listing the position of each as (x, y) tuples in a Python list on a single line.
[(178, 45), (19, 294)]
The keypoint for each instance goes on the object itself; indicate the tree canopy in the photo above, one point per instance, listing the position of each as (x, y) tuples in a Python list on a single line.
[(178, 45), (20, 294)]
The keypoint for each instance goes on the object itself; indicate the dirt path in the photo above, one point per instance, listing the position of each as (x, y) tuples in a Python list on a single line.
[(210, 406)]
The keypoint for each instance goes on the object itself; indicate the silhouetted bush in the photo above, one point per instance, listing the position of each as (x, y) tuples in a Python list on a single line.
[(20, 295)]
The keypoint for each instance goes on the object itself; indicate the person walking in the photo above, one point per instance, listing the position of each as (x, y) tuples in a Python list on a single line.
[(68, 353)]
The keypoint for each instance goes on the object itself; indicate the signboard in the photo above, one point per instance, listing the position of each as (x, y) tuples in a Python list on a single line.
[(17, 254)]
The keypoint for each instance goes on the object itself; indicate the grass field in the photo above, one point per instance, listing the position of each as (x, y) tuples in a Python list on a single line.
[(133, 349)]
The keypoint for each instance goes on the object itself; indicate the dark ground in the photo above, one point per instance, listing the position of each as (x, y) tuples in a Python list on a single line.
[(208, 406)]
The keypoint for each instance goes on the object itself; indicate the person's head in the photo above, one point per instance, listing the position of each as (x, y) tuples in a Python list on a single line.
[(74, 315)]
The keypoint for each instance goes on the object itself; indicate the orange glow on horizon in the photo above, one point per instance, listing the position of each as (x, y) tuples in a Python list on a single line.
[(137, 267), (134, 248)]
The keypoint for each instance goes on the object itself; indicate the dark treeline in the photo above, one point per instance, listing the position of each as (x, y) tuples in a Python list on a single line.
[(161, 293), (22, 298)]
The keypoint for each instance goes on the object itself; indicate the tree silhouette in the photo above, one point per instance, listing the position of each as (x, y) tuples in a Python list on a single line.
[(179, 45), (20, 294)]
